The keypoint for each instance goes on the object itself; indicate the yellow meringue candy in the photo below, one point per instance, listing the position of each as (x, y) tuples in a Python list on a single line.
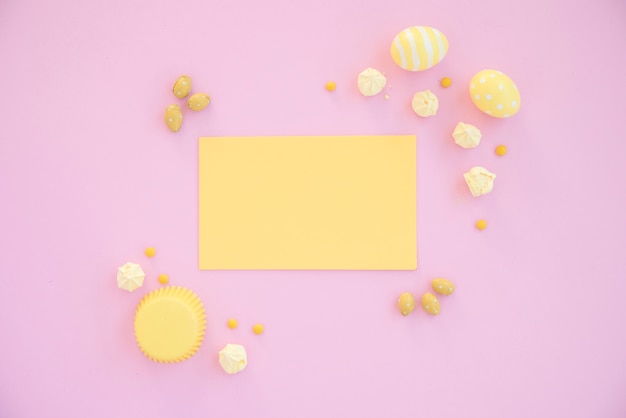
[(406, 303), (169, 324), (182, 86), (371, 82), (430, 304), (443, 286), (466, 135), (130, 276), (479, 180), (233, 358), (425, 103)]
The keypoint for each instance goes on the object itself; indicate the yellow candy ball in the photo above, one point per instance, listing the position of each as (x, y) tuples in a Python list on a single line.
[(258, 329), (232, 323), (446, 82), (163, 278), (331, 86), (481, 224), (500, 150), (495, 94), (150, 251)]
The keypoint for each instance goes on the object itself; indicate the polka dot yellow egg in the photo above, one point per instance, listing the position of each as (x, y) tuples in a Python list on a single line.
[(495, 94)]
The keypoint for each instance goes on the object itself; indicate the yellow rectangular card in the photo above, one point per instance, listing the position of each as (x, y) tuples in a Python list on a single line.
[(308, 203)]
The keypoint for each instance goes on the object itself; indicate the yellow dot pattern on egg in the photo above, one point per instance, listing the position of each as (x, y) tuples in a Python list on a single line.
[(419, 48), (495, 94)]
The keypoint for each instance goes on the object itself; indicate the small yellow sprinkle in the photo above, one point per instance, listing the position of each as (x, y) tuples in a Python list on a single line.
[(150, 251), (232, 323), (500, 150), (163, 278), (258, 329), (481, 224), (331, 86), (386, 96), (446, 82)]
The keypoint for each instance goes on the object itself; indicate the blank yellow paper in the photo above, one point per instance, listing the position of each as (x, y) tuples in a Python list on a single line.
[(308, 203)]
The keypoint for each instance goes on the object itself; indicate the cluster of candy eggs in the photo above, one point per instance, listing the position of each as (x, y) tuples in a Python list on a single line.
[(430, 303), (196, 102)]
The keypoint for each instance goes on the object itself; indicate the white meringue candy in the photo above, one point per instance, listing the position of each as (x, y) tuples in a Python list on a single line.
[(466, 135)]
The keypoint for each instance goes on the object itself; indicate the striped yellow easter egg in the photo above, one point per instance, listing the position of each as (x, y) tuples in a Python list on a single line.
[(419, 48), (495, 94)]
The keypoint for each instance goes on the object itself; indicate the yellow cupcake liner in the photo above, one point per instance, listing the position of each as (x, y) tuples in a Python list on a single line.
[(170, 323)]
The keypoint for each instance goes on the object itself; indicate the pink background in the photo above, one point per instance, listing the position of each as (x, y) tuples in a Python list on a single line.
[(90, 176)]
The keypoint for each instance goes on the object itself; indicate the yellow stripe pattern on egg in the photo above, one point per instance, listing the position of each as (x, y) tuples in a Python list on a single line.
[(419, 48)]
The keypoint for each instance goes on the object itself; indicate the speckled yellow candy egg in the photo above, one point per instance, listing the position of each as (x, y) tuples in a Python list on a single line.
[(173, 117), (442, 286), (406, 303), (419, 48), (495, 94), (430, 304), (198, 101)]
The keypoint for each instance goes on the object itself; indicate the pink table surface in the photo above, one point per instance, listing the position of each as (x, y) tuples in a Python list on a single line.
[(89, 177)]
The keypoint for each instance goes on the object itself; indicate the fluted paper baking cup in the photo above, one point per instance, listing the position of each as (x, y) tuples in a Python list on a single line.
[(169, 324)]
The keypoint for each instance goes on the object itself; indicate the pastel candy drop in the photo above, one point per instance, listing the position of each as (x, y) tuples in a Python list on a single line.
[(419, 48)]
